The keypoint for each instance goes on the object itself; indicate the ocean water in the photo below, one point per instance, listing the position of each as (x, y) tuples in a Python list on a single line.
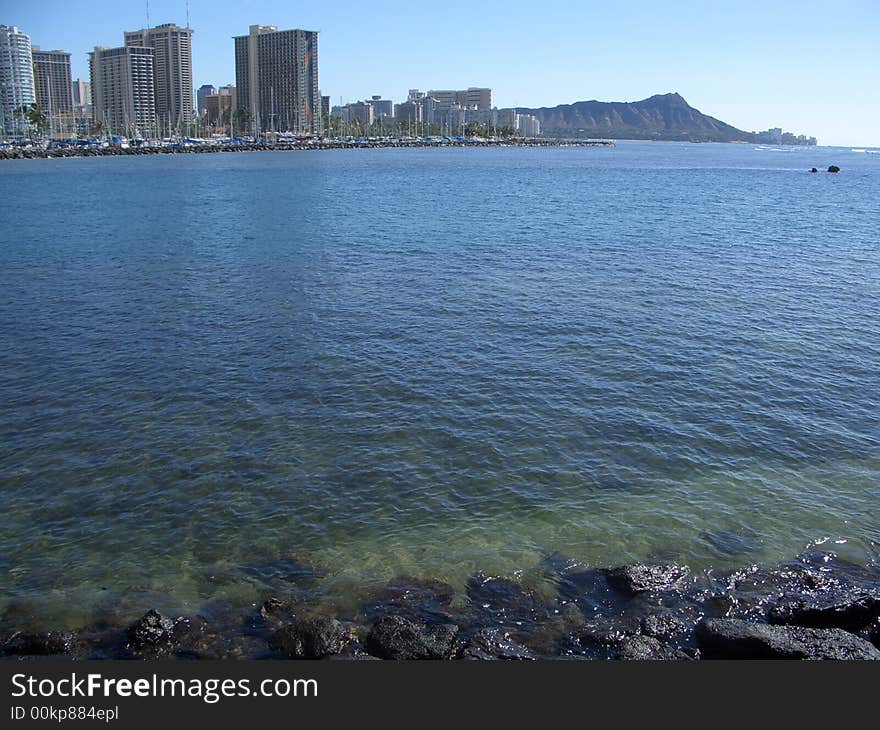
[(429, 363)]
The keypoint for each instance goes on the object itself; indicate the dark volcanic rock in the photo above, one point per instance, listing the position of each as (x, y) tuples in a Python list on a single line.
[(737, 639), (310, 638), (396, 637), (664, 626), (751, 592), (151, 633), (38, 644), (633, 579), (604, 632), (833, 168), (874, 634), (850, 610), (490, 644), (813, 169), (275, 609), (647, 648)]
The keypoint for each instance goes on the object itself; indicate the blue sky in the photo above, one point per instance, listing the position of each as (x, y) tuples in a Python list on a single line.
[(810, 67)]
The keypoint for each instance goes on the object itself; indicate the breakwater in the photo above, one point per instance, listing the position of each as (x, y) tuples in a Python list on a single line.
[(23, 153)]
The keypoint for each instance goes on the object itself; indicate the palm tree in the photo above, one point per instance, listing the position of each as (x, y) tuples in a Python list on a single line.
[(97, 128), (243, 119), (35, 117)]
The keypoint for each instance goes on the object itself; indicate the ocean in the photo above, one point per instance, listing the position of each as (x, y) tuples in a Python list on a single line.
[(223, 374)]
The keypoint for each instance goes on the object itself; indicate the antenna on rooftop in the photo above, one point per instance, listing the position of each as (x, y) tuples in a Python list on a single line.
[(147, 5), (187, 14)]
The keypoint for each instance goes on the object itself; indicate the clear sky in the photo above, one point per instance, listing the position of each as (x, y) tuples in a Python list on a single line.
[(810, 66)]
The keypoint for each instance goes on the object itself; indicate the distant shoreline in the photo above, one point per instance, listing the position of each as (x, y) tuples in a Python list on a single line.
[(21, 153)]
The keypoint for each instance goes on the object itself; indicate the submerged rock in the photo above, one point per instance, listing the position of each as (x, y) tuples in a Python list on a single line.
[(310, 638), (415, 598), (290, 570), (648, 648), (496, 601), (589, 590), (737, 639), (850, 610), (49, 643), (634, 579), (730, 543), (273, 608), (494, 644), (397, 637)]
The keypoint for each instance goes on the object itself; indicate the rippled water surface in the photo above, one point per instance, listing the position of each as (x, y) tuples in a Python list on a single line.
[(431, 362)]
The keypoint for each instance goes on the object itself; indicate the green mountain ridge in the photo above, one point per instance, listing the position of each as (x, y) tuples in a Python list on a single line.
[(660, 117)]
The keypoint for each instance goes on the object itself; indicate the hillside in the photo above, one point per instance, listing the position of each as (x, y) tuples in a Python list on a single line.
[(661, 117)]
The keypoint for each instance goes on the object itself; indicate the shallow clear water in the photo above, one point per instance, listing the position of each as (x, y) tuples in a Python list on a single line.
[(431, 362)]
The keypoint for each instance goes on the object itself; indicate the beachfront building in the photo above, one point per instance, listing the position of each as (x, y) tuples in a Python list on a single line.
[(220, 106), (172, 73), (82, 96), (204, 91), (471, 98), (16, 81), (366, 112), (123, 97), (528, 124), (276, 78), (54, 90), (419, 108), (408, 112), (382, 108), (82, 106)]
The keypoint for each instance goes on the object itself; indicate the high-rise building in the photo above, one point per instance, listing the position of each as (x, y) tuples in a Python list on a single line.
[(205, 90), (276, 78), (122, 90), (219, 107), (82, 97), (471, 98), (16, 80), (419, 107), (172, 72), (408, 112), (52, 81), (528, 124), (382, 108)]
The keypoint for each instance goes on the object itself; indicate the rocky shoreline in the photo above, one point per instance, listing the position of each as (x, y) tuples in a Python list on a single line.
[(814, 607), (15, 153)]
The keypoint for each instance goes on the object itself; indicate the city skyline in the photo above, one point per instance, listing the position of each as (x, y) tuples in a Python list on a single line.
[(807, 91)]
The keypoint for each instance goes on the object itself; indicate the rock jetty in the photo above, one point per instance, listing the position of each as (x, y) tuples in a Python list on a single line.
[(815, 607), (36, 152)]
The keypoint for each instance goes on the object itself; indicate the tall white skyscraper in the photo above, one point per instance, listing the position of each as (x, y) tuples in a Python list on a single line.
[(16, 80)]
